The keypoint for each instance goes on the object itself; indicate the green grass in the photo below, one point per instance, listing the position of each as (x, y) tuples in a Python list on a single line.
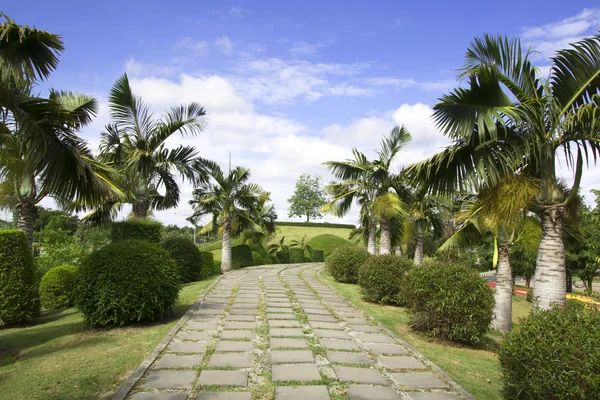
[(59, 358), (474, 368), (328, 242)]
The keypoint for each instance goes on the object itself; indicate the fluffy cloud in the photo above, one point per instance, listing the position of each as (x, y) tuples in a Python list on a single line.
[(224, 45)]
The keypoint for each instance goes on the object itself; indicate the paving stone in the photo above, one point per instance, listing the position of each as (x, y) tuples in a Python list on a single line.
[(245, 305), (240, 318), (321, 318), (364, 328), (227, 346), (211, 305), (401, 362), (224, 396), (159, 396), (339, 344), (433, 396), (208, 311), (281, 316), (239, 325), (223, 378), (381, 349), (424, 380), (286, 332), (173, 361), (330, 334), (206, 318), (238, 335), (301, 393), (292, 356), (279, 310), (374, 338), (289, 344), (372, 393), (316, 311), (326, 325), (202, 326), (187, 347), (344, 357), (170, 379), (283, 323), (303, 373), (243, 311), (231, 360), (359, 375), (195, 335)]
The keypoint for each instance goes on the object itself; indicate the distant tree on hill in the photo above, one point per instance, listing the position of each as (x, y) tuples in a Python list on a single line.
[(308, 198)]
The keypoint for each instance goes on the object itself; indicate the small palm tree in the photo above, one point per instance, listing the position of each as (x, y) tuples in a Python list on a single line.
[(279, 246), (425, 212), (134, 143), (231, 201), (264, 215)]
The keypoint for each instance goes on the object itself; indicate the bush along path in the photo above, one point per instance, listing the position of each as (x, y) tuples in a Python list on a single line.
[(280, 332)]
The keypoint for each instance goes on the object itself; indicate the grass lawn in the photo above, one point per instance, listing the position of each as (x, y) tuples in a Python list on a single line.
[(328, 242), (59, 358), (470, 367)]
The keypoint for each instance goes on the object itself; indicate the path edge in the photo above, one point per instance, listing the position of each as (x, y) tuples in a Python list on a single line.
[(134, 378), (420, 356)]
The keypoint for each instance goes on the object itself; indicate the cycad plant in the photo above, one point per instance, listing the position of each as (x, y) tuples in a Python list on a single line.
[(508, 118)]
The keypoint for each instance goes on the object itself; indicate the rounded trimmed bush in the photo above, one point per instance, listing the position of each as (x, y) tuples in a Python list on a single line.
[(449, 301), (241, 256), (553, 354), (317, 255), (343, 263), (142, 229), (380, 278), (257, 259), (283, 256), (274, 259), (296, 256), (210, 267), (19, 296), (127, 282), (187, 257), (57, 289)]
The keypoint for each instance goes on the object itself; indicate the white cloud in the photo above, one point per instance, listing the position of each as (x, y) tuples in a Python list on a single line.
[(189, 43), (135, 67), (398, 83), (224, 45), (302, 48), (237, 12)]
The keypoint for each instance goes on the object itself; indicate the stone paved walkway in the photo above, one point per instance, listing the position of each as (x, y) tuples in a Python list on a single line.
[(278, 331)]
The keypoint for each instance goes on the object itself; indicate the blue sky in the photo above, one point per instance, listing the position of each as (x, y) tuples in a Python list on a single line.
[(288, 85)]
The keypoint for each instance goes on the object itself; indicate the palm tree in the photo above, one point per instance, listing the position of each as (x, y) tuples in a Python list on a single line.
[(134, 143), (230, 199), (510, 118), (264, 216), (425, 212), (279, 246), (372, 185)]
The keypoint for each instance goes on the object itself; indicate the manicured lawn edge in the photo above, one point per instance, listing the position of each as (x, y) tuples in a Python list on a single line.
[(420, 356), (126, 386)]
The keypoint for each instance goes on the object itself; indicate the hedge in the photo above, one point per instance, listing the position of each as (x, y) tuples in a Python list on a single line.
[(380, 278), (210, 267), (241, 256), (316, 225), (283, 256), (142, 229), (296, 256), (343, 263), (57, 289), (187, 257), (317, 255)]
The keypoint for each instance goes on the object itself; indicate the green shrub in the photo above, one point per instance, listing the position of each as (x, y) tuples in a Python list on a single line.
[(257, 259), (19, 296), (380, 277), (210, 267), (241, 256), (553, 354), (187, 257), (57, 289), (316, 225), (296, 256), (449, 301), (343, 263), (274, 259), (142, 229), (317, 255), (127, 282), (283, 256), (530, 295)]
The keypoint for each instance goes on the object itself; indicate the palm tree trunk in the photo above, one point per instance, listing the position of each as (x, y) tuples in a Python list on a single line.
[(372, 245), (550, 271), (140, 207), (420, 244), (226, 248), (385, 241), (26, 215), (504, 288), (398, 251)]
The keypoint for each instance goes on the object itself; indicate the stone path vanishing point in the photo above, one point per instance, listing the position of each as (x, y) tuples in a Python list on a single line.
[(279, 330)]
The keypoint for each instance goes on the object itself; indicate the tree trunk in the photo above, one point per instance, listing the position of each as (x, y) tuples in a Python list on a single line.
[(307, 218), (140, 207), (420, 244), (26, 215), (589, 285), (528, 282), (226, 248), (550, 271), (385, 241), (398, 251), (504, 288), (372, 245)]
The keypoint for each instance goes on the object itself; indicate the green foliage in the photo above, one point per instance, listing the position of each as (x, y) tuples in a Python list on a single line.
[(380, 278), (553, 354), (449, 301), (530, 295), (316, 224), (210, 267), (19, 297), (308, 198), (187, 257), (56, 219), (283, 256), (583, 245), (170, 231), (141, 229), (328, 243), (257, 259), (274, 260), (70, 251), (127, 282), (241, 256), (57, 289), (344, 262), (317, 255), (296, 255)]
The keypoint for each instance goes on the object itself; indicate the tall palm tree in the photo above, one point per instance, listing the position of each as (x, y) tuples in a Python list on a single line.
[(230, 199), (372, 184), (425, 212), (510, 118), (134, 143)]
